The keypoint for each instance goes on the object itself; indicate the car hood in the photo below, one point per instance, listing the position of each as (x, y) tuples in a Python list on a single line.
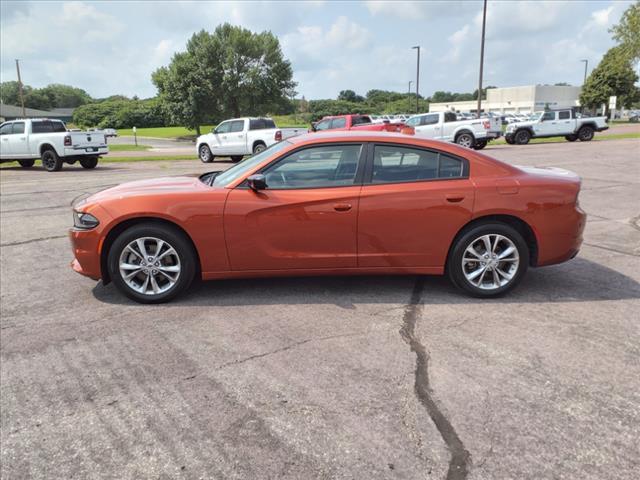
[(519, 124), (156, 186)]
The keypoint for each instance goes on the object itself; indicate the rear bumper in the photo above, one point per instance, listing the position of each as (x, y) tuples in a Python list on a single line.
[(602, 129), (85, 151), (559, 247)]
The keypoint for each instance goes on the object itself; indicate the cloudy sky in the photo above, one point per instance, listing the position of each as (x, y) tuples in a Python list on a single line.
[(112, 47)]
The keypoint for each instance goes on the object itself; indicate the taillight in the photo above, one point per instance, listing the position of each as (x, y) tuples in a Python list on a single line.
[(278, 136), (67, 141)]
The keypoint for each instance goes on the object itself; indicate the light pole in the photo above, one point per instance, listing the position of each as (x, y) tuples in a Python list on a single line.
[(417, 79), (586, 63), (24, 115), (409, 94), (484, 21)]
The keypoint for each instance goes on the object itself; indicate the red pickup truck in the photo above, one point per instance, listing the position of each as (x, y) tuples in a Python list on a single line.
[(359, 122)]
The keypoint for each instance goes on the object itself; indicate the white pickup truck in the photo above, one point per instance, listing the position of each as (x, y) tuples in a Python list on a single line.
[(555, 123), (26, 140), (475, 133), (238, 137)]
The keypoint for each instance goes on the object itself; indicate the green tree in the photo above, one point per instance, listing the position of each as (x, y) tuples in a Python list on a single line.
[(614, 75), (65, 96), (627, 32), (229, 72), (350, 96)]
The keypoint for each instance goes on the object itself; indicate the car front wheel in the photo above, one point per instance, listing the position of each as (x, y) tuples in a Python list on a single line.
[(488, 260), (522, 137), (204, 152), (152, 263)]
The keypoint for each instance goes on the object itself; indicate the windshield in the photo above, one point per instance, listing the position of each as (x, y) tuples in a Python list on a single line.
[(237, 171)]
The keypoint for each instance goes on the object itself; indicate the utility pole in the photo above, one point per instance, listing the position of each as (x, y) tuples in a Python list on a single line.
[(409, 94), (24, 115), (417, 80), (586, 62), (484, 21)]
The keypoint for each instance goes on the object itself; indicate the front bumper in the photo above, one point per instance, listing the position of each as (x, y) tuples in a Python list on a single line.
[(85, 245)]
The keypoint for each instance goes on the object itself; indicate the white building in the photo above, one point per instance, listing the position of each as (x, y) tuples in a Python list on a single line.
[(526, 99)]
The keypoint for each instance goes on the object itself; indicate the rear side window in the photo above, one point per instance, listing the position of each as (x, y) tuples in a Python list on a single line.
[(564, 115), (261, 124), (450, 117), (18, 127), (237, 126), (361, 120), (339, 122), (47, 126), (392, 164)]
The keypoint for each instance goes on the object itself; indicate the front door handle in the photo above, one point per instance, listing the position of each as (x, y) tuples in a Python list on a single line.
[(342, 207), (454, 197)]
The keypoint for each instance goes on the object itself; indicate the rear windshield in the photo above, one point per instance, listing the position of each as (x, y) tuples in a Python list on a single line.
[(47, 126), (261, 124)]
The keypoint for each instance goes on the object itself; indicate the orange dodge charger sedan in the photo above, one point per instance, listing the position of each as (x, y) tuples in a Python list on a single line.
[(336, 203)]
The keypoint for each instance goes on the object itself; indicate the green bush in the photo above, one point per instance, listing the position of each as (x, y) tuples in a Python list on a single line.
[(121, 114)]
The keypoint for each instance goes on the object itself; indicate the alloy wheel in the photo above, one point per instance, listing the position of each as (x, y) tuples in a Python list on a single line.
[(490, 262), (149, 265)]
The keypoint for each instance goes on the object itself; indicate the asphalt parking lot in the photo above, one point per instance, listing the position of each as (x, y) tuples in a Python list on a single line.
[(351, 378)]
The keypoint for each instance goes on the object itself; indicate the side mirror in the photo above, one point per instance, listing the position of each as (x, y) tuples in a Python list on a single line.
[(257, 182), (213, 130), (313, 127)]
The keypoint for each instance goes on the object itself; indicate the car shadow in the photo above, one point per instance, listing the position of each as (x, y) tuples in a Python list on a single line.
[(577, 281)]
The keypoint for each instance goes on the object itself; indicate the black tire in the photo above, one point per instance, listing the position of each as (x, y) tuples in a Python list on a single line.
[(571, 138), (509, 140), (204, 153), (259, 147), (89, 162), (465, 139), (172, 236), (522, 137), (236, 158), (480, 144), (471, 237), (585, 134), (26, 163), (51, 161)]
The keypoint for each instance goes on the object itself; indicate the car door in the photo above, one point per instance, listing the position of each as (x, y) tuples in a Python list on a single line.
[(306, 217), (237, 137), (429, 126), (547, 126), (219, 140), (413, 202), (565, 123), (18, 140), (5, 135), (448, 127)]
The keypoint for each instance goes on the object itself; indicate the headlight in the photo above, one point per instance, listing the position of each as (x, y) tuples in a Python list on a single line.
[(84, 221)]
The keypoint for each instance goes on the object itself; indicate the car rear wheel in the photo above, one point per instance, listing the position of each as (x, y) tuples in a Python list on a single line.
[(522, 137), (26, 163), (585, 134), (152, 263), (204, 152), (259, 147), (571, 138), (488, 260), (50, 161), (480, 144), (89, 162), (465, 140)]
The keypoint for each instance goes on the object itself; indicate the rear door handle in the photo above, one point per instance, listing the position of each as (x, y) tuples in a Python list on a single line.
[(342, 207), (454, 197)]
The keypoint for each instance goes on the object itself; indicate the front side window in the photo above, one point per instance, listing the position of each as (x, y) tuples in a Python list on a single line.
[(6, 129), (240, 169), (414, 121), (339, 122), (392, 164), (18, 127), (223, 127), (323, 125), (315, 167), (548, 116)]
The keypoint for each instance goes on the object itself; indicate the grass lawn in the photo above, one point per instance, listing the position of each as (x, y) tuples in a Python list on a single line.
[(126, 147)]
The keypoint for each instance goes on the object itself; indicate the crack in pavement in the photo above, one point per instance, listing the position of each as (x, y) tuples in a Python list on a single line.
[(288, 347), (460, 457), (621, 252), (23, 242)]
